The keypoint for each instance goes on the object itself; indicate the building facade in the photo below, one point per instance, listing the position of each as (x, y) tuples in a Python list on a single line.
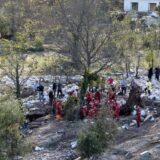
[(141, 5)]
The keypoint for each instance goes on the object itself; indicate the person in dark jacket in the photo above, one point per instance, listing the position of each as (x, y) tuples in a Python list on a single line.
[(41, 90), (150, 74), (59, 93), (54, 88), (157, 73), (51, 96)]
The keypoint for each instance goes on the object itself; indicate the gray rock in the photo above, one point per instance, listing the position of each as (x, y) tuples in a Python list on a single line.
[(128, 155), (74, 144), (146, 156), (18, 158), (158, 146), (119, 152)]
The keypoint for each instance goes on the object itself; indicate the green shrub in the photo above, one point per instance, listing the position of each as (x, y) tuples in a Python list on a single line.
[(88, 144), (98, 135), (38, 43), (106, 128), (71, 109), (11, 117)]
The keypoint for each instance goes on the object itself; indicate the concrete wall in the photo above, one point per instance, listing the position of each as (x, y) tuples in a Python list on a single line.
[(143, 5)]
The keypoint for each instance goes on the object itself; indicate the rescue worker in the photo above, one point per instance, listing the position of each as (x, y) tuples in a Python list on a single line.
[(110, 80), (117, 111), (112, 94), (89, 97), (148, 87), (97, 95), (59, 105)]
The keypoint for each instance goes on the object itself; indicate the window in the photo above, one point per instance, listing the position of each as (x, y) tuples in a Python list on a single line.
[(135, 6), (152, 6)]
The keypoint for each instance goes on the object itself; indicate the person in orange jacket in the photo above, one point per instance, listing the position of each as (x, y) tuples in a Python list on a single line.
[(59, 105)]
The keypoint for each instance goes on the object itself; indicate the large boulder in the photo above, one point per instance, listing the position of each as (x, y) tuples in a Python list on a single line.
[(38, 110), (26, 92)]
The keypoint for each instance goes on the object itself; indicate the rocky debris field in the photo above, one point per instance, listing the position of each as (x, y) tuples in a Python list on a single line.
[(52, 140)]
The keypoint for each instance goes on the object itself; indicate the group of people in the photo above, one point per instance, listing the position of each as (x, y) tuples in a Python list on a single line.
[(93, 97), (112, 103), (56, 90), (92, 102), (115, 107), (151, 71)]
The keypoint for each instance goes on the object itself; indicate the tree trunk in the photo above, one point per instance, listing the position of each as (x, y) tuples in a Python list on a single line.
[(84, 87), (137, 67), (18, 88), (126, 66), (152, 63)]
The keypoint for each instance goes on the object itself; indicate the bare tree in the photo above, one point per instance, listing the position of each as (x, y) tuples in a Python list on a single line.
[(18, 70), (14, 63), (87, 35)]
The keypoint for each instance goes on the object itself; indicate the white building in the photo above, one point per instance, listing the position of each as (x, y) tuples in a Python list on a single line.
[(141, 5)]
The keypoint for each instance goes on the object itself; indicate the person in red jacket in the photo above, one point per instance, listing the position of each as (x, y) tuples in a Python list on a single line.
[(97, 95), (112, 94), (110, 80), (89, 97), (117, 110), (138, 116)]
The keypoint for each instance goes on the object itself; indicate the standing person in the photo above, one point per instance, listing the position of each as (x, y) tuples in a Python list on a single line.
[(150, 73), (54, 88), (59, 93), (35, 86), (89, 97), (41, 90), (123, 84), (110, 80), (138, 116), (148, 87), (112, 94), (51, 96), (133, 84), (117, 111), (157, 73), (97, 96)]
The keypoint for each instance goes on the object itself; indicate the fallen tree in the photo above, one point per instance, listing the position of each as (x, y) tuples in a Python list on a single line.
[(133, 100)]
